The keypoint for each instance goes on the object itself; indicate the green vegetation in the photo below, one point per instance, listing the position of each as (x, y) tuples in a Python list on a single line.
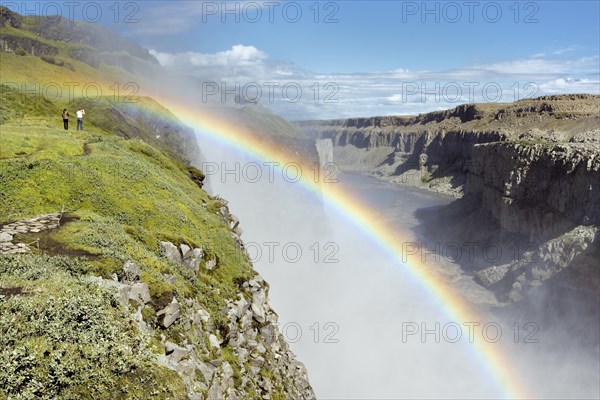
[(62, 336), (15, 105), (426, 176), (71, 46), (124, 184)]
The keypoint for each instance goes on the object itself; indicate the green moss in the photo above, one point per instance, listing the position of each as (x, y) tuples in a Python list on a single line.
[(67, 338), (235, 365), (278, 393), (149, 315), (125, 196), (426, 177)]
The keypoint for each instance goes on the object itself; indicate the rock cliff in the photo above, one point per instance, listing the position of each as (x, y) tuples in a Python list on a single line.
[(120, 277), (527, 175)]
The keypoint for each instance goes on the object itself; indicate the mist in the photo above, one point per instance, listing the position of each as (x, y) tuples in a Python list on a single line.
[(364, 326), (347, 308)]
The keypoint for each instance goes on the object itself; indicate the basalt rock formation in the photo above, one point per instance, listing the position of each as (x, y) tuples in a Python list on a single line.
[(527, 175)]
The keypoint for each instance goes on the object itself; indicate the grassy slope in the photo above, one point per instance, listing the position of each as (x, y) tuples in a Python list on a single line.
[(60, 84), (31, 69), (124, 196)]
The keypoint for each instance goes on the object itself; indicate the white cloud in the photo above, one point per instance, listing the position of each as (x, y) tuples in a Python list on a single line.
[(570, 85), (399, 91), (238, 56), (536, 66)]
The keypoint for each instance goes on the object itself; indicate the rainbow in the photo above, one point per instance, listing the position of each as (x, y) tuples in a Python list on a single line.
[(448, 298)]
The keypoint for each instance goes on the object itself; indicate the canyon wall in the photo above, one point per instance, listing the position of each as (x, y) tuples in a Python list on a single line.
[(524, 172)]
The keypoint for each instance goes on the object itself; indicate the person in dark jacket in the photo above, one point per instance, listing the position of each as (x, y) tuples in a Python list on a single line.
[(65, 116)]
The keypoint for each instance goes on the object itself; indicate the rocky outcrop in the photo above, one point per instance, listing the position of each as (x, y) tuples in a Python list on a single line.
[(246, 358), (9, 18), (549, 196), (529, 172), (443, 141), (239, 353), (568, 261), (537, 190), (236, 353), (23, 45)]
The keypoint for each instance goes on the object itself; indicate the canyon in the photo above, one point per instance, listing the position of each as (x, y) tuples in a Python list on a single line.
[(526, 176)]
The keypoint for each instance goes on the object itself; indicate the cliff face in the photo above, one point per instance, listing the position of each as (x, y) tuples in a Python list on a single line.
[(133, 280), (552, 118), (529, 172), (59, 41), (537, 190), (549, 195)]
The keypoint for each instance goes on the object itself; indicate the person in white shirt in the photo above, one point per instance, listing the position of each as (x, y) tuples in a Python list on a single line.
[(80, 114)]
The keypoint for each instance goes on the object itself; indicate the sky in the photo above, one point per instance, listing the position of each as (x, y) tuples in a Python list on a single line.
[(333, 59)]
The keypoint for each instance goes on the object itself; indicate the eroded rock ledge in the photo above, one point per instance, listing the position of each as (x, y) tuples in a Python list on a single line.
[(205, 366), (527, 175)]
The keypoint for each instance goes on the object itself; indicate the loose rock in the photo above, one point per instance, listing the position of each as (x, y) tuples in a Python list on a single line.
[(170, 251), (169, 314)]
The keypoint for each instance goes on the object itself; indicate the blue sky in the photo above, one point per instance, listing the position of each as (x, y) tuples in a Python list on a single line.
[(383, 57), (378, 35)]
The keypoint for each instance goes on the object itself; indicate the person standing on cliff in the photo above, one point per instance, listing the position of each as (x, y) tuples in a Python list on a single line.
[(65, 117), (80, 114)]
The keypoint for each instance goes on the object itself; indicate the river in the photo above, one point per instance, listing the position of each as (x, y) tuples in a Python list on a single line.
[(355, 315)]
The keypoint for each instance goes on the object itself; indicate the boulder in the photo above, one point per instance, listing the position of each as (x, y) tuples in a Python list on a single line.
[(255, 283), (224, 212), (258, 309), (233, 222), (261, 348), (192, 258), (170, 251), (210, 264), (131, 272), (254, 370), (246, 320), (207, 370), (234, 226), (214, 392), (203, 315), (214, 342), (241, 305), (184, 249), (268, 333), (227, 371), (257, 361), (169, 314), (122, 290), (176, 353), (140, 293), (243, 354), (5, 237)]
